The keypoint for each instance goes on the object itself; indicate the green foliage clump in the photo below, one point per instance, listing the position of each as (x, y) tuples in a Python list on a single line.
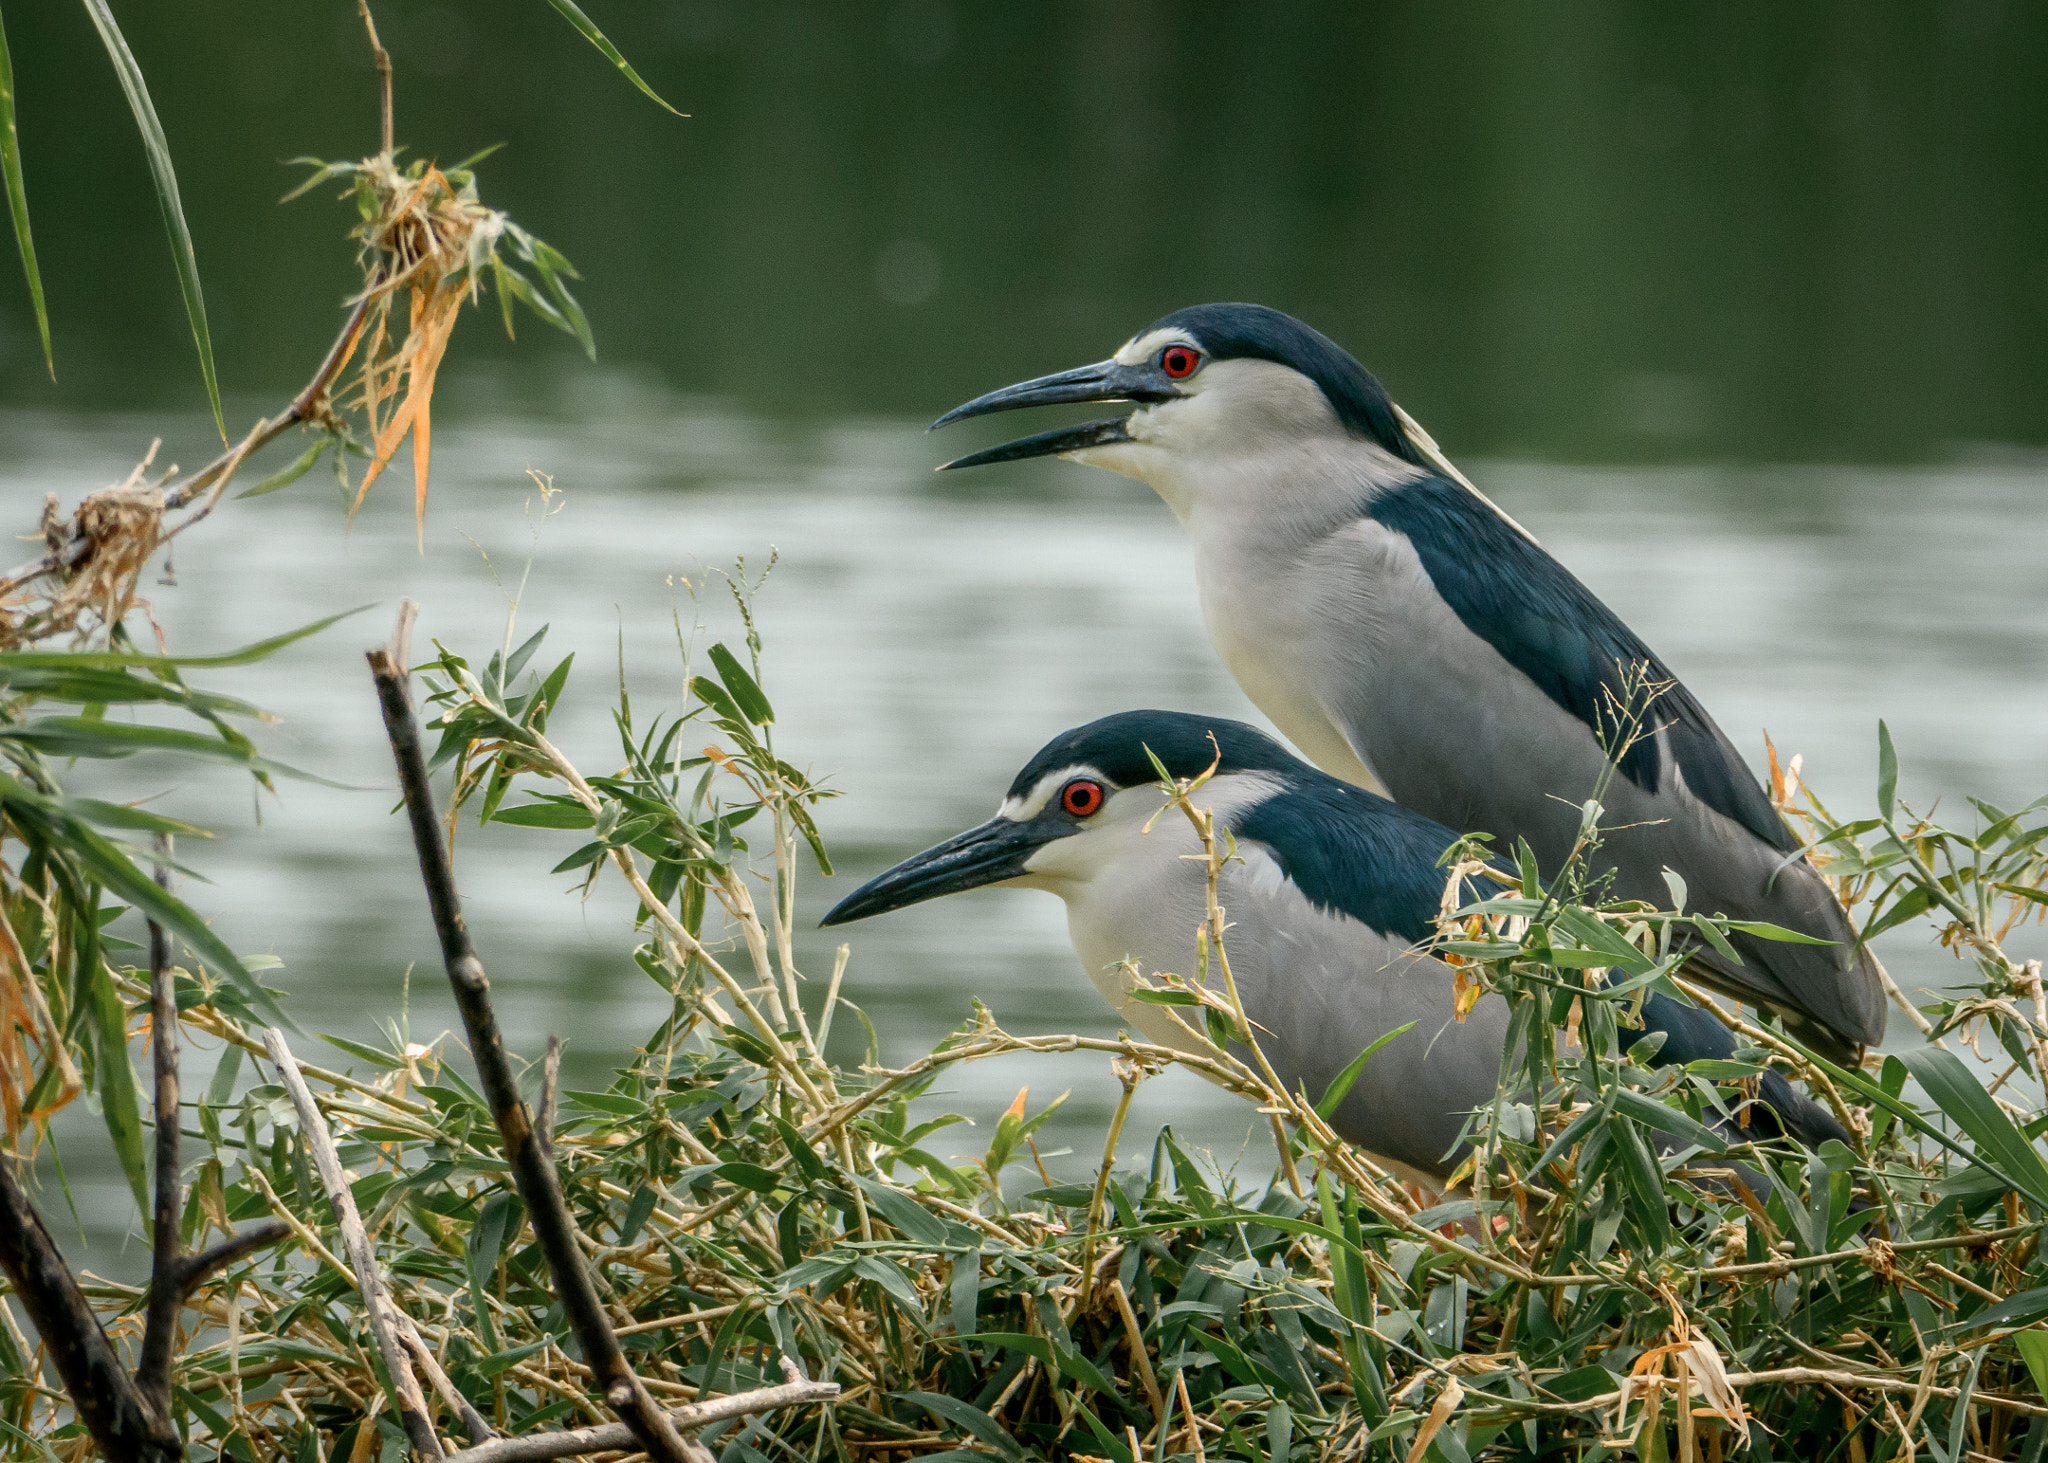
[(1624, 1271)]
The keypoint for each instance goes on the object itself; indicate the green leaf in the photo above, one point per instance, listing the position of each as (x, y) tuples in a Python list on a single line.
[(1334, 1094), (120, 1101), (1915, 901), (120, 660), (1145, 995), (287, 476), (551, 813), (1645, 1185), (716, 697), (918, 1224), (17, 201), (611, 1102), (80, 736), (968, 1418), (596, 37), (109, 866), (1963, 1099), (807, 1160), (120, 815), (749, 1176), (1765, 930), (1652, 1113), (368, 1054), (2033, 1349), (746, 694), (1020, 1342), (490, 1366), (637, 1211), (159, 153), (1598, 935), (1886, 1097), (1711, 933), (1887, 771), (895, 1284)]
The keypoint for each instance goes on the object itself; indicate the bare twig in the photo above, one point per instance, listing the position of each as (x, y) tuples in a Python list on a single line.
[(473, 1422), (382, 58), (310, 405), (550, 1085), (385, 1321), (109, 1403), (539, 1447), (535, 1175), (160, 1326)]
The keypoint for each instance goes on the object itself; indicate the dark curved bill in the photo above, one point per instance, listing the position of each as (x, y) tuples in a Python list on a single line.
[(1047, 444), (986, 855), (1109, 380)]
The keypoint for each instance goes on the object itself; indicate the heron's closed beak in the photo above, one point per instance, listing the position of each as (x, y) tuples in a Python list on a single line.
[(989, 854), (1105, 381)]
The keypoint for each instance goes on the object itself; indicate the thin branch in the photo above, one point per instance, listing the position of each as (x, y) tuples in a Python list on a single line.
[(472, 1421), (382, 58), (160, 1326), (109, 1403), (535, 1175), (195, 1270), (385, 1320), (310, 405), (539, 1447), (550, 1085)]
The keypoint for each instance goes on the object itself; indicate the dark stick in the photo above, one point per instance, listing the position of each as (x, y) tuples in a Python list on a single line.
[(550, 1085), (173, 1275), (383, 61), (195, 1270), (160, 1326), (531, 1170), (109, 1403)]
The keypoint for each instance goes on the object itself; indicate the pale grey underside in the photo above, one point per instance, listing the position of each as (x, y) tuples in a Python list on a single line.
[(1333, 627)]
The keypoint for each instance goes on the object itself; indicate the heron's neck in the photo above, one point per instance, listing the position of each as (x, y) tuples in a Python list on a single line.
[(1295, 494)]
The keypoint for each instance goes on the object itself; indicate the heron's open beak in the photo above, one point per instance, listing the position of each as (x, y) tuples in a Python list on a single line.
[(995, 851), (1105, 381)]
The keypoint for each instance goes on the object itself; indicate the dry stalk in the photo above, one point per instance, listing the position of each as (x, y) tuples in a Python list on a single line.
[(387, 1323)]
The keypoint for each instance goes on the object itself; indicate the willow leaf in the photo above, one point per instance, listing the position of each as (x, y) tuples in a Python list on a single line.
[(160, 169), (17, 201), (596, 37)]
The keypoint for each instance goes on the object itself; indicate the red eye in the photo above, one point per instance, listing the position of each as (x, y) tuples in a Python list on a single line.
[(1179, 361), (1082, 797)]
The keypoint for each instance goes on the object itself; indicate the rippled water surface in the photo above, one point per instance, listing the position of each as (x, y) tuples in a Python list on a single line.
[(923, 636)]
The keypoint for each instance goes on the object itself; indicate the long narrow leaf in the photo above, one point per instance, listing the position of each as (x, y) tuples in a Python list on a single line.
[(17, 201), (1344, 1079), (1908, 1115), (105, 863), (159, 153), (120, 1102), (1962, 1097), (1887, 771), (117, 660), (80, 736), (596, 37)]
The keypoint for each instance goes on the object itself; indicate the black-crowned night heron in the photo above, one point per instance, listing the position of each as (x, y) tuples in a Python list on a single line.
[(1411, 638), (1331, 893)]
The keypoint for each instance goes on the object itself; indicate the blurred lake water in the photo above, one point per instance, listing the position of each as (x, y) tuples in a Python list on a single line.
[(923, 636)]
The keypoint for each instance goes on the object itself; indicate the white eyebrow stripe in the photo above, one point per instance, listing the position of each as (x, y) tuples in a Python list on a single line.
[(1024, 809), (1141, 348)]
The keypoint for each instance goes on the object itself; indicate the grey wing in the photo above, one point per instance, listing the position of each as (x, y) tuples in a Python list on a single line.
[(1322, 987), (1457, 730)]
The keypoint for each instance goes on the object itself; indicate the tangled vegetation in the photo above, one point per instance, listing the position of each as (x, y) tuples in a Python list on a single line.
[(394, 1253), (742, 1199)]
